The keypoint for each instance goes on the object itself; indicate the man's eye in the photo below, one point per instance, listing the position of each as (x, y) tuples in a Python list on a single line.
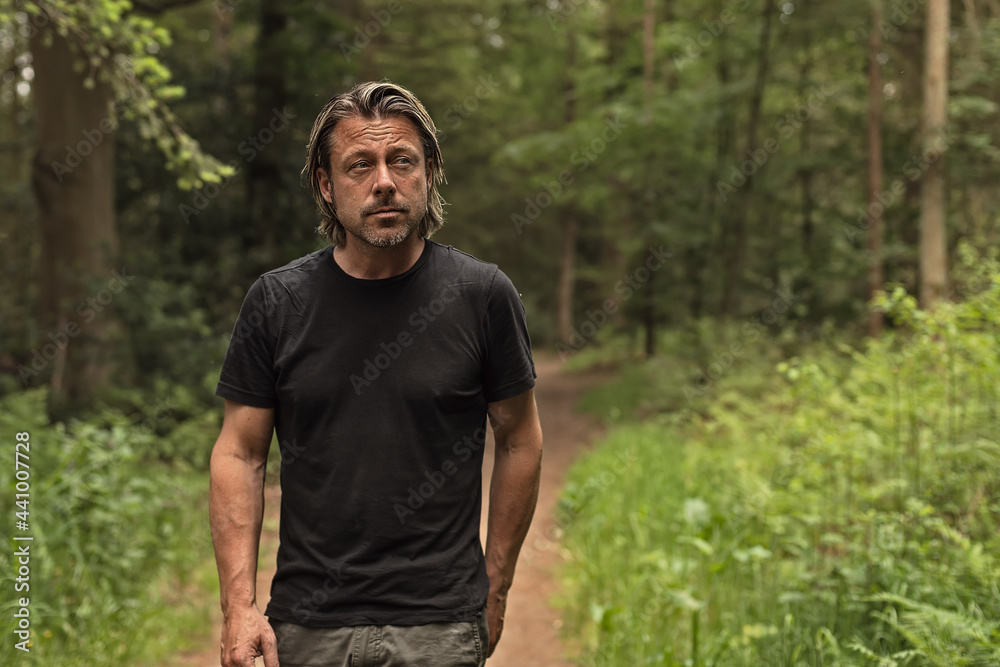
[(361, 164), (404, 160)]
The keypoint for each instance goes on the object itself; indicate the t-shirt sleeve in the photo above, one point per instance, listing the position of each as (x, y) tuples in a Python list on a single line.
[(510, 369), (248, 370)]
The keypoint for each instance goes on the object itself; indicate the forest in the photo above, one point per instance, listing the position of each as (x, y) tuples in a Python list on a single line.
[(770, 228)]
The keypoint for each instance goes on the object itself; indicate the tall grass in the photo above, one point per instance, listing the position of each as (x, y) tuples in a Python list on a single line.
[(837, 508), (120, 541)]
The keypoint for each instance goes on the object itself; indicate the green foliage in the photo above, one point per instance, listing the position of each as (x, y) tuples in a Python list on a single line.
[(171, 423), (171, 334), (118, 542), (117, 46), (841, 508)]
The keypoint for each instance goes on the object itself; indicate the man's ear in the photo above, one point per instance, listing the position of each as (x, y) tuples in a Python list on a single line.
[(325, 185)]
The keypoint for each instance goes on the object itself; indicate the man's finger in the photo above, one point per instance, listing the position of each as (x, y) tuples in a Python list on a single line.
[(269, 648), (495, 638), (237, 658)]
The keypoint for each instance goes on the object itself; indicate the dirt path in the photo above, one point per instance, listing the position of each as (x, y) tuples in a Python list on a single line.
[(531, 626), (531, 632)]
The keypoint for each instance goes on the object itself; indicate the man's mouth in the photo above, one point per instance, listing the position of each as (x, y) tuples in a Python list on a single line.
[(386, 211)]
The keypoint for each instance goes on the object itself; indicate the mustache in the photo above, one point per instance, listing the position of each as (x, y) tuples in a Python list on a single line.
[(383, 204)]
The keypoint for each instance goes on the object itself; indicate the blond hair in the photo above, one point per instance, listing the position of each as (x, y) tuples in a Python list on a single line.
[(373, 100)]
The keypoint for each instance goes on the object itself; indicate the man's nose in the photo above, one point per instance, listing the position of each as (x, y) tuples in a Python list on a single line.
[(384, 184)]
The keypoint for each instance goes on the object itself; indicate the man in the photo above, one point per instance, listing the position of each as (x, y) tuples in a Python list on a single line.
[(377, 360)]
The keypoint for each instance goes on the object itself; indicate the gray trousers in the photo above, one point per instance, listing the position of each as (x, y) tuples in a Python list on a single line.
[(432, 645)]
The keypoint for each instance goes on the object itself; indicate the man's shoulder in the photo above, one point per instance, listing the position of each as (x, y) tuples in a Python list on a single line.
[(458, 264), (291, 285), (302, 266), (298, 272)]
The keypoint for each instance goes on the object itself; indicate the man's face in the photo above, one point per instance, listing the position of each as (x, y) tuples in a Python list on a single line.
[(378, 180)]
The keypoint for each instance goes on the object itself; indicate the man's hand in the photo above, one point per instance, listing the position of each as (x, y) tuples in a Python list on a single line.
[(236, 509), (246, 634), (496, 605)]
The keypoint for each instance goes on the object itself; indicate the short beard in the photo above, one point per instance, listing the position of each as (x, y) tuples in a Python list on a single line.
[(368, 236)]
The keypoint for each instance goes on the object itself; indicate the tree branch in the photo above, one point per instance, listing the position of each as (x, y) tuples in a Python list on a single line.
[(160, 7)]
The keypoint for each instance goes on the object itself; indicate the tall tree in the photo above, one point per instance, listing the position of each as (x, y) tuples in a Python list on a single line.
[(648, 70), (806, 174), (723, 130), (87, 55), (615, 34), (567, 256), (933, 242), (738, 209), (73, 178), (875, 207), (264, 171)]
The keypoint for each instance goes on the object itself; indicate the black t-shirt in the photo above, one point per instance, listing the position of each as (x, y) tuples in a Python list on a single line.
[(380, 390)]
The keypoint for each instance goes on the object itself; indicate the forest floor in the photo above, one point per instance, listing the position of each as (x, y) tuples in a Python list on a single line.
[(531, 631)]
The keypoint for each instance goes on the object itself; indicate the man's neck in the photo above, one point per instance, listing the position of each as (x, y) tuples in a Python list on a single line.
[(372, 263)]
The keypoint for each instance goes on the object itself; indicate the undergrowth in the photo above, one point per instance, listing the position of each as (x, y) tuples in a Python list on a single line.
[(838, 507), (119, 546)]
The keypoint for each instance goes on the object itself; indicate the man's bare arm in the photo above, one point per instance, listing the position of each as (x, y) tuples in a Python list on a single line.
[(513, 494), (236, 510)]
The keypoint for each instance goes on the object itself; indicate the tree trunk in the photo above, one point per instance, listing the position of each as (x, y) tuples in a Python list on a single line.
[(265, 189), (933, 254), (567, 260), (973, 25), (738, 210), (620, 226), (648, 57), (222, 27), (567, 270), (805, 174), (16, 226), (648, 68), (73, 179), (716, 213), (875, 208)]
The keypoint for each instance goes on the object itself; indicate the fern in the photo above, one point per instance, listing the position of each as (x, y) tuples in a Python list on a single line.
[(944, 637)]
